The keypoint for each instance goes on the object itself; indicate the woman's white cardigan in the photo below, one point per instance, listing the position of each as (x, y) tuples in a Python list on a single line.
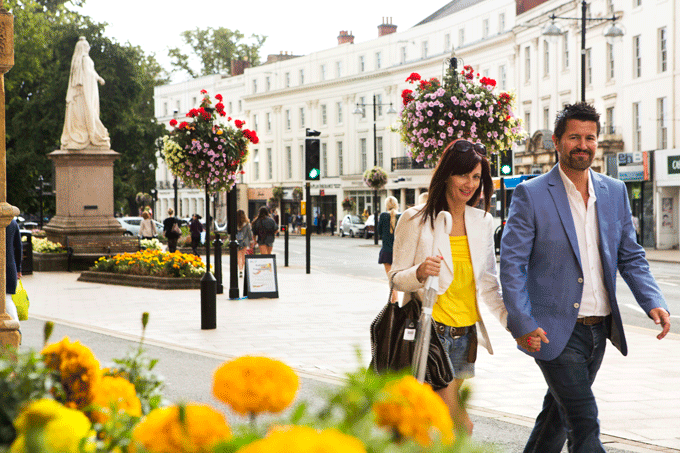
[(414, 241)]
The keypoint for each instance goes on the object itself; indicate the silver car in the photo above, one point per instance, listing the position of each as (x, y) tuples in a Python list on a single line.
[(131, 225), (352, 225)]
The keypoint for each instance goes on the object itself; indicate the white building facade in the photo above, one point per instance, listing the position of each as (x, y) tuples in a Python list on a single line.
[(633, 83)]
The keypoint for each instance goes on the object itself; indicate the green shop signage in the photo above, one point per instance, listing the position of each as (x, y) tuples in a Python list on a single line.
[(673, 165)]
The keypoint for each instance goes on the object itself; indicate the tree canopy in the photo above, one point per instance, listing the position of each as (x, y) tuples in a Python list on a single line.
[(45, 36), (216, 48)]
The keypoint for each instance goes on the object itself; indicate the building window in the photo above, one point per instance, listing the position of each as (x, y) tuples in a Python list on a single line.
[(379, 148), (424, 50), (663, 49), (289, 161), (502, 77), (254, 85), (231, 110), (662, 130), (240, 106), (193, 101), (403, 55), (610, 61), (527, 122), (340, 167), (527, 64), (338, 68), (288, 122), (447, 42), (177, 106), (378, 60), (501, 22), (324, 115), (589, 66), (362, 103), (546, 58), (637, 3), (637, 127), (302, 76), (270, 166), (323, 72), (165, 109), (565, 51), (324, 159), (339, 111), (362, 63), (268, 83), (378, 106), (256, 164), (610, 128), (302, 117), (461, 37), (546, 118), (362, 149), (287, 79), (637, 57), (256, 123), (269, 122), (485, 28)]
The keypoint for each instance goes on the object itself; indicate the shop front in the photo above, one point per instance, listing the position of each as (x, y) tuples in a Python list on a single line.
[(667, 197)]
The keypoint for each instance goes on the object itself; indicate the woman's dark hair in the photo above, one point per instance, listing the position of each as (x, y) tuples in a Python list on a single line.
[(264, 212), (454, 162)]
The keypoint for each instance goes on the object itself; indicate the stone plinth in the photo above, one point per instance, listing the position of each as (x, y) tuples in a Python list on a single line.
[(84, 194)]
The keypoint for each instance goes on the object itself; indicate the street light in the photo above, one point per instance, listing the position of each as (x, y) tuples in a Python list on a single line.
[(360, 110), (613, 33)]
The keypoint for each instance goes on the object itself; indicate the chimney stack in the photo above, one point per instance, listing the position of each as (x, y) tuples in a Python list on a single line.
[(239, 66), (345, 37), (386, 28)]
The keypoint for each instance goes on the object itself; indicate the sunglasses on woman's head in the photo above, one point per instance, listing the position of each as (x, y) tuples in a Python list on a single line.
[(463, 146)]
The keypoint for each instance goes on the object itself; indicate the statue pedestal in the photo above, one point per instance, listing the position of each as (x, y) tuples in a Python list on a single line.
[(84, 194)]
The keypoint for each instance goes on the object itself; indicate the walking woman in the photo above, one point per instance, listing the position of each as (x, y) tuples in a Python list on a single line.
[(465, 263), (386, 225), (244, 239), (195, 229), (147, 229), (264, 230), (171, 234)]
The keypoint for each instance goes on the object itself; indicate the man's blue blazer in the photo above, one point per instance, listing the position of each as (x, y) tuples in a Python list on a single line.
[(541, 272)]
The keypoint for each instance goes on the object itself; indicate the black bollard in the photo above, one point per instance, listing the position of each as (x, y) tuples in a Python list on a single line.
[(208, 302), (285, 250), (218, 263)]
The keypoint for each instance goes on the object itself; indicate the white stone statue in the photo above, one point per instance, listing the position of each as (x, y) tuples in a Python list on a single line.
[(82, 126)]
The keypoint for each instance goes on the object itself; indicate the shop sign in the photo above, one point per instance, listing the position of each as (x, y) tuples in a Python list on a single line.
[(632, 166), (673, 165)]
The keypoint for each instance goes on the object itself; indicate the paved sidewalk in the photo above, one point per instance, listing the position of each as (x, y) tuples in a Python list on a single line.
[(320, 320)]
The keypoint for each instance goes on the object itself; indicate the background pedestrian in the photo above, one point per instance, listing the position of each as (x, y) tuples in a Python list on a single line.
[(147, 229), (170, 235), (195, 229), (385, 231), (244, 239), (331, 222), (264, 230), (13, 256)]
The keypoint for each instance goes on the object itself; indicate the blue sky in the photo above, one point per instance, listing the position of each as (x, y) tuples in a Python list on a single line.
[(298, 26)]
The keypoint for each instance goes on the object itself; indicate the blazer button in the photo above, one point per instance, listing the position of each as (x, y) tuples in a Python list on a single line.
[(580, 280), (576, 305)]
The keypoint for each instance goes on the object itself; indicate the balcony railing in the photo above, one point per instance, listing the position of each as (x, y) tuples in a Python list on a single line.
[(406, 163)]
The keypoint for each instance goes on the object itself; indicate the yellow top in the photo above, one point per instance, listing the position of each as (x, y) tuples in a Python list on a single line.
[(457, 307)]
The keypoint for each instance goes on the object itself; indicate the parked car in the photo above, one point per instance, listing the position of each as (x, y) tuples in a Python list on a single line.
[(131, 225), (370, 226), (352, 225)]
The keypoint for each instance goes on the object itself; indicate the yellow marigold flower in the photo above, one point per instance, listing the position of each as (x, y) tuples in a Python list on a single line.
[(302, 439), (115, 393), (78, 369), (162, 431), (255, 384), (415, 411), (46, 425)]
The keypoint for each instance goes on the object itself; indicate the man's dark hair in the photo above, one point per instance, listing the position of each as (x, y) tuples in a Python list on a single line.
[(579, 111)]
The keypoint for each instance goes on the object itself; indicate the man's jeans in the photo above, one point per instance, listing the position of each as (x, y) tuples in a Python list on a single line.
[(569, 408)]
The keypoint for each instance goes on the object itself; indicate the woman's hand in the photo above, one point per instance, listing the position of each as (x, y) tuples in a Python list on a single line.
[(431, 266)]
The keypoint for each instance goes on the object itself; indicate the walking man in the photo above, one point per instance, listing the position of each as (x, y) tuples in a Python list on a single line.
[(567, 233)]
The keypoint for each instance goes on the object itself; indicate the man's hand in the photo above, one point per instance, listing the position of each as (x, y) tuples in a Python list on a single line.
[(661, 316), (532, 340)]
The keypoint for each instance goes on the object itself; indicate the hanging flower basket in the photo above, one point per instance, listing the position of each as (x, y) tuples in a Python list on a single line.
[(465, 106), (375, 178), (348, 204), (202, 151), (277, 193), (297, 194)]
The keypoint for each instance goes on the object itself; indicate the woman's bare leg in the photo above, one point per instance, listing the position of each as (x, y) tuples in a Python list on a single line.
[(451, 396), (241, 259), (388, 267)]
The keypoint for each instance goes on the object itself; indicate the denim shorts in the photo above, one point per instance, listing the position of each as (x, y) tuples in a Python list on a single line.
[(458, 349)]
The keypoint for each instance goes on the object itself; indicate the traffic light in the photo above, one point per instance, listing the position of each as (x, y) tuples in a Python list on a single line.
[(493, 165), (506, 163), (312, 156)]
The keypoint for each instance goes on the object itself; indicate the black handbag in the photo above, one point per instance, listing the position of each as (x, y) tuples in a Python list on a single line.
[(393, 343)]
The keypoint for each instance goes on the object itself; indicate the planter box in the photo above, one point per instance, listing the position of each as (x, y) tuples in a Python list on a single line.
[(143, 281), (50, 262)]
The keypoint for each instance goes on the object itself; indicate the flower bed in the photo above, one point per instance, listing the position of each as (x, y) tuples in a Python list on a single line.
[(152, 263), (66, 399)]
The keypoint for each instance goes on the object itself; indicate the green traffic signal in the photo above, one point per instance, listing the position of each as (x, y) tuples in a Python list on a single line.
[(506, 169), (314, 173)]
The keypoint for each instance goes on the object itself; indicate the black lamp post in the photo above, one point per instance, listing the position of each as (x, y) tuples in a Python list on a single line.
[(613, 33), (360, 111)]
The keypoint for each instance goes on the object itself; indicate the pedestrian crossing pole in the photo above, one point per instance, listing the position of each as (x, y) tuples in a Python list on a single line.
[(308, 231)]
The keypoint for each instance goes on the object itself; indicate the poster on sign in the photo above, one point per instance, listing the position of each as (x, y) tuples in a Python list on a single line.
[(260, 278)]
